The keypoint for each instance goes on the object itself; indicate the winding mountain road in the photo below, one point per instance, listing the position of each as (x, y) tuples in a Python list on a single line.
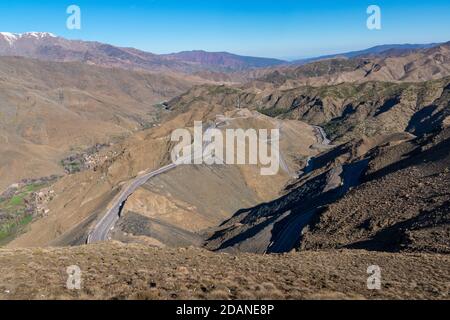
[(323, 136), (103, 227), (322, 141), (112, 215)]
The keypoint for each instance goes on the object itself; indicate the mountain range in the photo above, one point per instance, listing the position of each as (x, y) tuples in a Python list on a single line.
[(364, 172), (381, 50), (47, 46)]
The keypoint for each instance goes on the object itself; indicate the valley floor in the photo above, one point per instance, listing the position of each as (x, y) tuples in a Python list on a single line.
[(118, 271)]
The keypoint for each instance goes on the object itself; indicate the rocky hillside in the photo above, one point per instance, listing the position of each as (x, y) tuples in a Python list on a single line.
[(374, 194), (346, 110), (404, 125), (412, 213), (413, 66)]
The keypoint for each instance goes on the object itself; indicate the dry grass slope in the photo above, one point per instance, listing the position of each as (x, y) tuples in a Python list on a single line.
[(117, 271)]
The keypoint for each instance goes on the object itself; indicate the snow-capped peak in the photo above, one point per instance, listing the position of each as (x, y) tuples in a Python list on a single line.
[(38, 35), (9, 37), (13, 37)]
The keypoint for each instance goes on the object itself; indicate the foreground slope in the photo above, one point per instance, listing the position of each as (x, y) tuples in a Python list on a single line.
[(117, 271)]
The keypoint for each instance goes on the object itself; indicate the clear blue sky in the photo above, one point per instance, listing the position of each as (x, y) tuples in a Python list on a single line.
[(276, 28)]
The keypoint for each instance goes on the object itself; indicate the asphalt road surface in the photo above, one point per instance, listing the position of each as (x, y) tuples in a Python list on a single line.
[(112, 215)]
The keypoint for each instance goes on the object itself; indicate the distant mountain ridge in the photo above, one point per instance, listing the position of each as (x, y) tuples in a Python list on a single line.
[(380, 50), (46, 46), (225, 59)]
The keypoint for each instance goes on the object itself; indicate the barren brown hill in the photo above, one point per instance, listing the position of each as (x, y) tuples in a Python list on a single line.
[(401, 205), (418, 65), (374, 110), (346, 111), (48, 110), (368, 117), (384, 194), (169, 199), (194, 198)]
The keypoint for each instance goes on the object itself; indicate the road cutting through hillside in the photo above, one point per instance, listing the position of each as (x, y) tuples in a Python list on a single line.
[(323, 142), (107, 222), (112, 215), (104, 226), (323, 136)]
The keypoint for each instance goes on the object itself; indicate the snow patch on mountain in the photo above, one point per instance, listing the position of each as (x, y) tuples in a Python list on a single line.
[(11, 38)]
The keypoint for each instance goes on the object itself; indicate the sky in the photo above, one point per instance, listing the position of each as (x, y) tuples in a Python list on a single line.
[(283, 29)]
